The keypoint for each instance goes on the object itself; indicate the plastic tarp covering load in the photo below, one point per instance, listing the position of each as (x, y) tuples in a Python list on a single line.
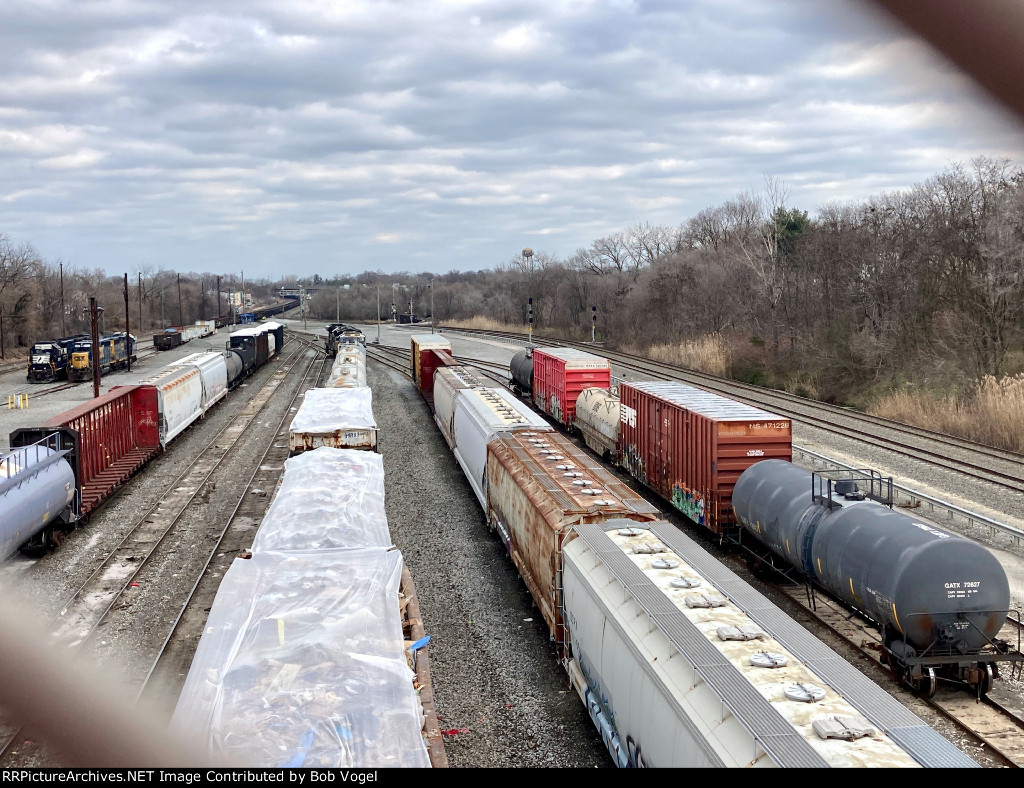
[(302, 664), (328, 498), (339, 418)]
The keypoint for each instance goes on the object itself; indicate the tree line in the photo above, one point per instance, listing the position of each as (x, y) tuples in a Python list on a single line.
[(41, 300), (920, 285), (924, 284)]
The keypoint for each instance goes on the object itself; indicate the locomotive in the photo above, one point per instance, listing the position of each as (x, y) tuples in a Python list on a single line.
[(114, 353), (339, 334), (48, 361), (937, 599), (59, 472)]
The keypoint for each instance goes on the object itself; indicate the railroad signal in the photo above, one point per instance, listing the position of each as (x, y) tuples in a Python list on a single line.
[(529, 313), (593, 325)]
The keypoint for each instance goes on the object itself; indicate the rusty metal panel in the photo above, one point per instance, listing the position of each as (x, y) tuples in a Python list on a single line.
[(560, 374), (340, 418), (691, 446), (538, 486)]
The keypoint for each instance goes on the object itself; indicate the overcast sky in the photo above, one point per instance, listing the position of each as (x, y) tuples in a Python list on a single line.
[(337, 136)]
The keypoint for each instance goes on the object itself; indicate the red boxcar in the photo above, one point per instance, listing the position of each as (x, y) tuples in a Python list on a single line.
[(560, 374), (691, 446), (111, 437), (424, 360)]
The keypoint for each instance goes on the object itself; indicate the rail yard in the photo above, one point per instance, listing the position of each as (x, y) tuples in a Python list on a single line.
[(131, 588)]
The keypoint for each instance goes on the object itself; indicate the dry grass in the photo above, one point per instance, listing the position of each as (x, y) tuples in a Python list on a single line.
[(709, 353), (991, 413), (487, 324)]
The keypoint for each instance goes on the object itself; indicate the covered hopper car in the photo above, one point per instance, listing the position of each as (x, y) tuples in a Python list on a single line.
[(678, 662), (699, 451), (105, 441)]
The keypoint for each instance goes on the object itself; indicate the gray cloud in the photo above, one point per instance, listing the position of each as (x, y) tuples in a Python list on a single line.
[(318, 136)]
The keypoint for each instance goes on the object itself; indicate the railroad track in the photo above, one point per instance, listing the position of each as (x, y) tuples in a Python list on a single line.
[(994, 466), (89, 607), (995, 721), (163, 681), (391, 357)]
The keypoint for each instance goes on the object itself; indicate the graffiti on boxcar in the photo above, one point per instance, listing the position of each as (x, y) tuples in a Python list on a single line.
[(634, 463), (689, 502)]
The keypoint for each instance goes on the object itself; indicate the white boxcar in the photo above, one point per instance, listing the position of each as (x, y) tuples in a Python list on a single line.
[(448, 382), (480, 414), (338, 418), (206, 327), (682, 664), (213, 370), (180, 397)]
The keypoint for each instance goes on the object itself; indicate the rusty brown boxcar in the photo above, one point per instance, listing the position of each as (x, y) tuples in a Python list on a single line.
[(539, 485), (691, 446)]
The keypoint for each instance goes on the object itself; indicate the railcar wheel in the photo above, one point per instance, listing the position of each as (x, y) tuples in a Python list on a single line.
[(987, 681), (929, 683)]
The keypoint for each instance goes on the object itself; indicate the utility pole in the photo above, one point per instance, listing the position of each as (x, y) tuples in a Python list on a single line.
[(338, 317), (95, 349), (218, 296), (242, 307), (1, 331), (127, 327), (202, 303), (378, 313), (140, 302), (181, 317), (432, 319), (63, 328), (302, 305)]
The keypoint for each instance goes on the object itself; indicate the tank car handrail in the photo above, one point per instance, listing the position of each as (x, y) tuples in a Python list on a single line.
[(915, 497)]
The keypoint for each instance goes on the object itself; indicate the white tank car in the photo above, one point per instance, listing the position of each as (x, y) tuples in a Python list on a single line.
[(597, 419), (37, 486), (682, 664)]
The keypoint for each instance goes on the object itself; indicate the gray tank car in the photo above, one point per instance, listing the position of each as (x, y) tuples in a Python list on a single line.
[(38, 494), (939, 600), (521, 368)]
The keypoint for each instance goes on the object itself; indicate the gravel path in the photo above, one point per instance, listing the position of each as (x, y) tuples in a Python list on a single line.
[(493, 669)]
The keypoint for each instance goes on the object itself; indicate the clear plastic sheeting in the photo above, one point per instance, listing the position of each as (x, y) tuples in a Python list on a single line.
[(325, 410), (302, 664), (328, 498)]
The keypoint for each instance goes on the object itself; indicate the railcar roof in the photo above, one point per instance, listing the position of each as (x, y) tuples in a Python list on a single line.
[(756, 695), (713, 406)]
